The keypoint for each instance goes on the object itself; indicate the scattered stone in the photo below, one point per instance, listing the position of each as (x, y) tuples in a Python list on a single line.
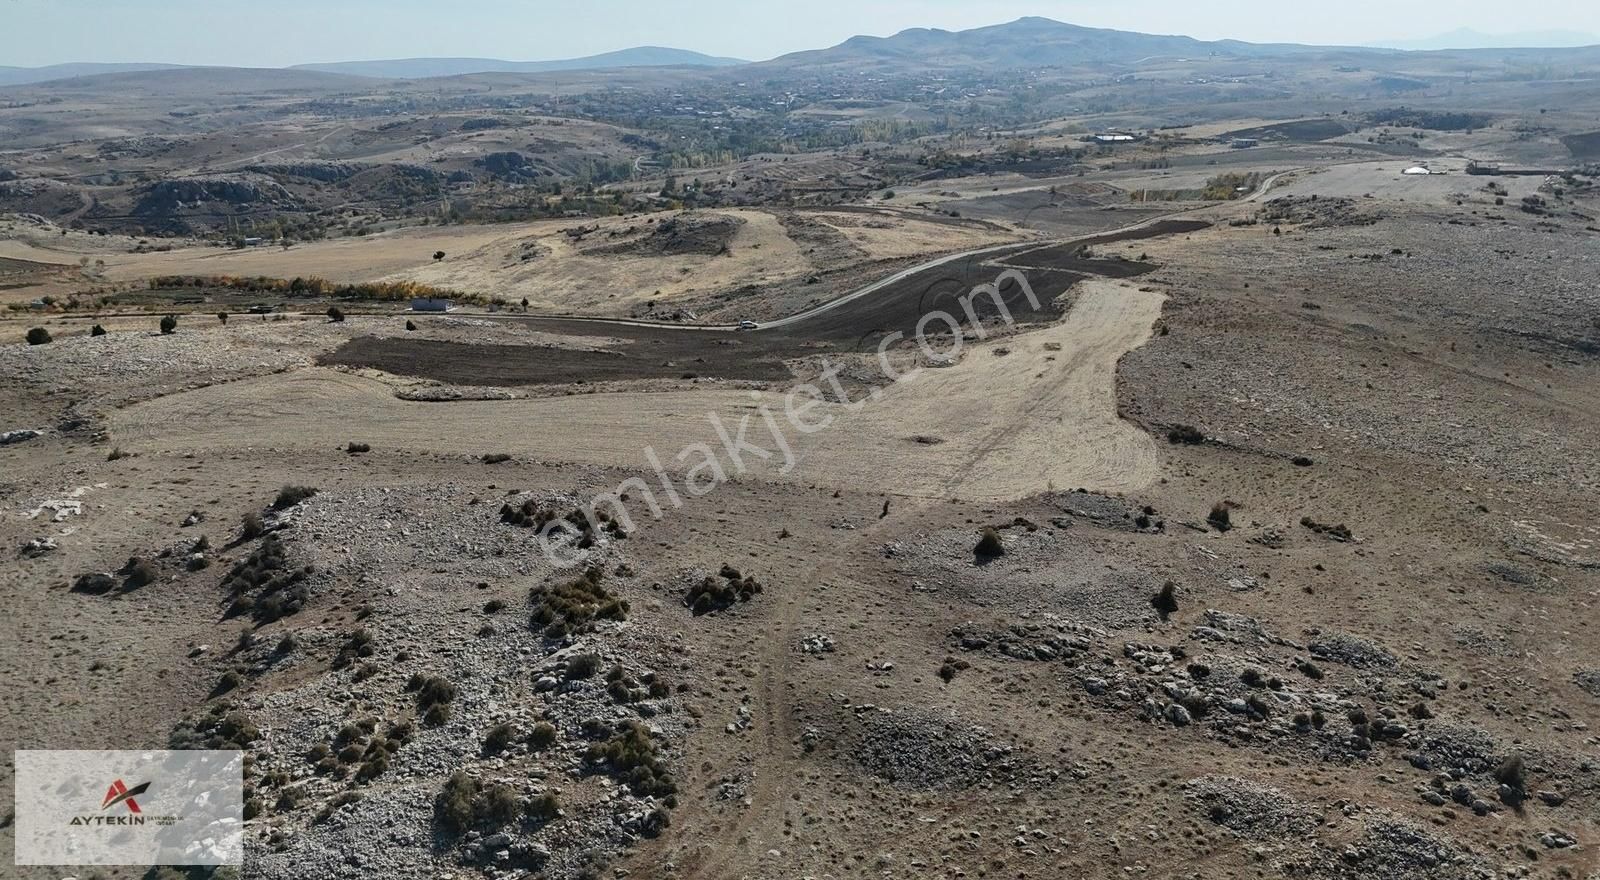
[(39, 547), (817, 644)]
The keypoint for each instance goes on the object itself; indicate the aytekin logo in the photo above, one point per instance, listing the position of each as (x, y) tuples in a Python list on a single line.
[(120, 793)]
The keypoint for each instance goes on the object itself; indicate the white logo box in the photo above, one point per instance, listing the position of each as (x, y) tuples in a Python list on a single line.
[(129, 807)]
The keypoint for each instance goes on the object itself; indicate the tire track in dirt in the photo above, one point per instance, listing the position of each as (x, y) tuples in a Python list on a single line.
[(1116, 318)]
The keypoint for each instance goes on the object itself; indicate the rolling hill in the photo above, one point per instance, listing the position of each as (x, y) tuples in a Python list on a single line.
[(420, 68), (19, 76), (1026, 42)]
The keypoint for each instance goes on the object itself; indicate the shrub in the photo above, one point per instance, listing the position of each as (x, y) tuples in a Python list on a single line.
[(496, 458), (1512, 772), (497, 805), (359, 644), (377, 761), (452, 809), (989, 545), (278, 589), (631, 758), (438, 255), (712, 595), (1187, 435), (498, 737), (169, 324), (39, 336), (116, 454), (542, 736), (230, 680), (289, 496), (139, 572), (951, 666), (357, 448), (544, 807), (251, 526), (1221, 517), (399, 734), (97, 330), (223, 317), (1165, 602), (463, 803), (574, 605), (493, 606), (583, 666), (434, 694), (335, 315), (220, 728)]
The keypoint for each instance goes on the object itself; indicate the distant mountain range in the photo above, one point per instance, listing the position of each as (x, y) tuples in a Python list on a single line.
[(406, 68), (18, 76), (1024, 43), (418, 68), (1466, 38)]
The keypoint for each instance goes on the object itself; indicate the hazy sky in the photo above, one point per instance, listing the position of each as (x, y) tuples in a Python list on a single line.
[(272, 33)]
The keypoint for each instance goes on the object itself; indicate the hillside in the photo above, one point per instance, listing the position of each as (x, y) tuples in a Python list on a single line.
[(1026, 42), (18, 76), (204, 81), (420, 68)]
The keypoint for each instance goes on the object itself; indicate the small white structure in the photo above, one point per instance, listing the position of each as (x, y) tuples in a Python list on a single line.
[(1418, 170), (430, 304)]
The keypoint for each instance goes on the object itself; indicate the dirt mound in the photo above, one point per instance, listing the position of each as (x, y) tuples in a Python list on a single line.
[(694, 233), (1399, 850), (1316, 213), (923, 750), (1250, 809)]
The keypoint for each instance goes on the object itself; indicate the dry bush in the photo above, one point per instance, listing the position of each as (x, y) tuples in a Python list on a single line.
[(631, 757), (574, 606), (289, 496), (278, 589), (713, 595), (989, 545), (1221, 517)]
